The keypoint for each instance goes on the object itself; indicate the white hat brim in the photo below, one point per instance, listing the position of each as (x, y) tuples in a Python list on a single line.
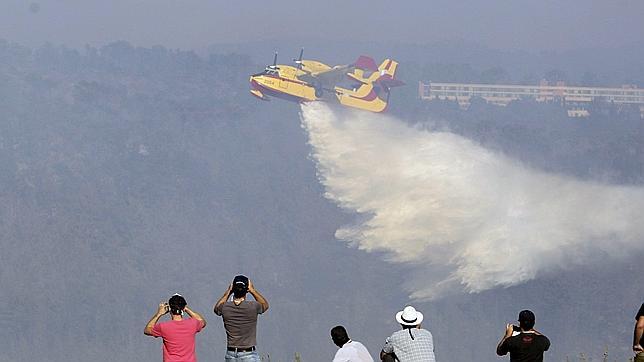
[(419, 319)]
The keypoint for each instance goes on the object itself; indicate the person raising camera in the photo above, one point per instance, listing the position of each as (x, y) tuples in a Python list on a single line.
[(240, 319), (178, 333), (523, 342)]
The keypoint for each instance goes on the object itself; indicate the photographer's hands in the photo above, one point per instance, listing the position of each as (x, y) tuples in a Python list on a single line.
[(217, 308), (501, 349), (161, 310), (251, 289), (258, 296)]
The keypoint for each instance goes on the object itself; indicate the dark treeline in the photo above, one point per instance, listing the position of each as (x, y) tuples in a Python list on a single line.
[(130, 173)]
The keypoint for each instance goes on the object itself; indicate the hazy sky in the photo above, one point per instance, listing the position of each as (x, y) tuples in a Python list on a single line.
[(542, 24)]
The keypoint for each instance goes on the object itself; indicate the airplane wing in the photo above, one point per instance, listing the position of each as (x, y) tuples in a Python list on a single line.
[(329, 77), (312, 66), (323, 74)]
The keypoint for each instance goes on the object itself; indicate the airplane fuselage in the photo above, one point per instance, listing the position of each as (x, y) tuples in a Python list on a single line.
[(282, 83)]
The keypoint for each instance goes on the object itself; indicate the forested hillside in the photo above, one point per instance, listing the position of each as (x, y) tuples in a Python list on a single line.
[(128, 174)]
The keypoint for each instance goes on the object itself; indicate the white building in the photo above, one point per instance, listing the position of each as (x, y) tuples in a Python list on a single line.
[(576, 99)]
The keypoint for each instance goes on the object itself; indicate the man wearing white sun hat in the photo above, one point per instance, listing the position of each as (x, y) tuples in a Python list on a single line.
[(412, 343)]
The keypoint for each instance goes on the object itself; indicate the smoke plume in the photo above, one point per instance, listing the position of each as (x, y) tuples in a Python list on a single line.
[(467, 218)]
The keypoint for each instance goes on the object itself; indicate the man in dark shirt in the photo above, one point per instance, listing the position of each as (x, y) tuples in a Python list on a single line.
[(240, 319), (524, 343), (638, 336)]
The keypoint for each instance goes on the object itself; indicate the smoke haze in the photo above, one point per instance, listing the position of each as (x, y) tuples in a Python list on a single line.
[(199, 23), (129, 173), (468, 218)]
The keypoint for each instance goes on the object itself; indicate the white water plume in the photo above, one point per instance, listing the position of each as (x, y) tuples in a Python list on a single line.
[(438, 200)]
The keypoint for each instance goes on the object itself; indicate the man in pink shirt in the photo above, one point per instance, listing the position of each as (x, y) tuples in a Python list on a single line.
[(178, 333)]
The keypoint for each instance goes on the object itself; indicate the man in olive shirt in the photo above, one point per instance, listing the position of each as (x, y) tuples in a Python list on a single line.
[(240, 319), (638, 336)]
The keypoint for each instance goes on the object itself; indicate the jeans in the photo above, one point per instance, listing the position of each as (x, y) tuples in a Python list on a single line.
[(252, 356)]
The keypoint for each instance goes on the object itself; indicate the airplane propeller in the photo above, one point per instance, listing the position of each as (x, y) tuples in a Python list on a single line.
[(274, 65), (298, 61)]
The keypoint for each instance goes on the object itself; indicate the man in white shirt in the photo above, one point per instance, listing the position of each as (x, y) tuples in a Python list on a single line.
[(350, 351)]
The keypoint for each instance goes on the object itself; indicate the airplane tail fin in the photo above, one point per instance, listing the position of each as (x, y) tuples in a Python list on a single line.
[(387, 71), (388, 66), (374, 82), (366, 63)]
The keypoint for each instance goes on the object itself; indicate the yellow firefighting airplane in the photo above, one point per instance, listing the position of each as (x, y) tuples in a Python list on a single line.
[(310, 80)]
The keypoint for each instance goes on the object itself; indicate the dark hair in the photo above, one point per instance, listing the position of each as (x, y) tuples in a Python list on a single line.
[(339, 336), (526, 320), (240, 286), (177, 303)]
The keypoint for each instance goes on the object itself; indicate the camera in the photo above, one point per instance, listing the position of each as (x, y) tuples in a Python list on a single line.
[(516, 328)]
